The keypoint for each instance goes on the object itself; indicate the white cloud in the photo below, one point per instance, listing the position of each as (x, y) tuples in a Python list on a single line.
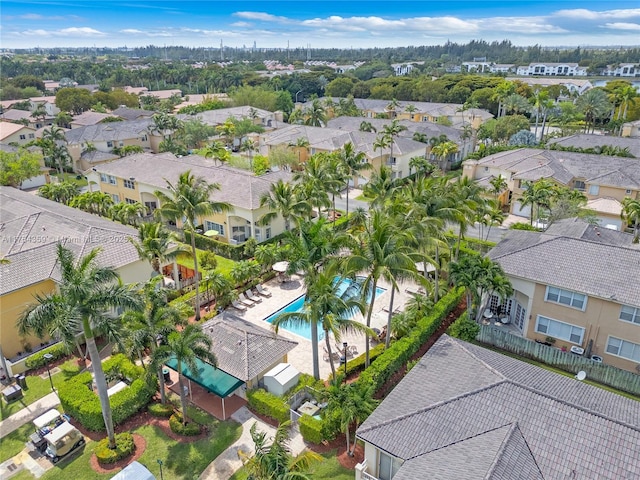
[(241, 24), (623, 26), (584, 14), (132, 31), (265, 17), (65, 32)]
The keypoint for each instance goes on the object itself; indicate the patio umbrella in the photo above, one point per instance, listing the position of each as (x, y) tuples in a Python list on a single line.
[(420, 267), (211, 233), (281, 266)]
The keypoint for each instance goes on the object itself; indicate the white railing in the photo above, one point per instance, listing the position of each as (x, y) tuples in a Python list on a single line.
[(361, 472)]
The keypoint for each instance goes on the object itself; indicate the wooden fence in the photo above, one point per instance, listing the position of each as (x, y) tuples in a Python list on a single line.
[(598, 372)]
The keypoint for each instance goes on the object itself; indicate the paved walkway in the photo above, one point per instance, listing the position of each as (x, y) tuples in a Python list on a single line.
[(228, 462), (28, 413)]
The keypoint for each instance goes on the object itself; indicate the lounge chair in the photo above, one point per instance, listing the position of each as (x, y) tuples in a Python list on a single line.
[(238, 306), (245, 301), (250, 295), (263, 291)]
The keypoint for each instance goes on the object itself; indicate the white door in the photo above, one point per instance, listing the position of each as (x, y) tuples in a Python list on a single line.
[(521, 211)]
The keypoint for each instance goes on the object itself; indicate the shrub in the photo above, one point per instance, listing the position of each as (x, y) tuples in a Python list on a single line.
[(311, 429), (523, 226), (160, 410), (306, 380), (125, 446), (464, 329), (37, 360), (190, 429), (79, 401), (268, 404), (234, 252)]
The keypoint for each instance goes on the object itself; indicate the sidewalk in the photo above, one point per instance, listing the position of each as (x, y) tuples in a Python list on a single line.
[(228, 461), (28, 413)]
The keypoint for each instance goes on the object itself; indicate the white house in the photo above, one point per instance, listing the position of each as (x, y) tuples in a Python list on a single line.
[(553, 69)]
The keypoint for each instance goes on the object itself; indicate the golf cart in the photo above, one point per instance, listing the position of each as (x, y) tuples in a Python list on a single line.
[(62, 441), (45, 424)]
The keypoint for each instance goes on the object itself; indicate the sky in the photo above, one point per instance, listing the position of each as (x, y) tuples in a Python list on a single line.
[(345, 24)]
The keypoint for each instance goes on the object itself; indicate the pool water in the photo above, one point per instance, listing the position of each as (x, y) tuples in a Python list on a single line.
[(298, 304)]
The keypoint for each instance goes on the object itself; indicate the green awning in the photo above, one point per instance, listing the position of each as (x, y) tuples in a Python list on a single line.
[(209, 377)]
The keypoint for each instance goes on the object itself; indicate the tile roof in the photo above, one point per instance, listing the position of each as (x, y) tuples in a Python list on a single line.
[(7, 129), (583, 140), (32, 226), (90, 118), (111, 131), (238, 187), (245, 350), (131, 113), (219, 116), (532, 164), (530, 422)]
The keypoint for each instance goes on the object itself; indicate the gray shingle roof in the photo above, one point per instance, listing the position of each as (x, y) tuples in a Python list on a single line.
[(238, 187), (131, 113), (582, 140), (243, 349), (112, 131), (564, 427), (32, 226)]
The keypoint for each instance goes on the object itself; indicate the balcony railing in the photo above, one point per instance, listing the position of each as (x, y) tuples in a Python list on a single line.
[(361, 472)]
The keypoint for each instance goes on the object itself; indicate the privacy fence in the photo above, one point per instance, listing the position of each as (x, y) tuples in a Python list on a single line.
[(598, 372)]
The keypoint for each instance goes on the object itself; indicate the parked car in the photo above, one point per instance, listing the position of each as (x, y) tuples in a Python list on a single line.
[(62, 441), (45, 424)]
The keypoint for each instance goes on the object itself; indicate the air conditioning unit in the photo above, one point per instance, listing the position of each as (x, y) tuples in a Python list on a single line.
[(577, 350)]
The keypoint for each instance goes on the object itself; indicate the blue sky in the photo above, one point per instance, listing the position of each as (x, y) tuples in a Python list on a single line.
[(350, 23)]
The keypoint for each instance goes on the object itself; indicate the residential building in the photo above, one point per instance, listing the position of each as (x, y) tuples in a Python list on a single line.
[(88, 118), (320, 139), (553, 69), (622, 70), (258, 116), (466, 412), (31, 229), (136, 178), (49, 103), (127, 113), (597, 176), (402, 69), (20, 116), (159, 94), (584, 140), (16, 133), (489, 67), (578, 284), (574, 85), (631, 129)]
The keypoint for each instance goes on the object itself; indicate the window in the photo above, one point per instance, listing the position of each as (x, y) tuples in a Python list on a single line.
[(258, 234), (561, 330), (110, 144), (214, 226), (151, 206), (268, 233), (388, 466), (144, 138), (130, 201), (31, 135), (628, 191), (624, 349), (579, 185), (104, 178), (23, 137), (129, 184), (115, 197), (630, 314), (566, 297), (594, 189)]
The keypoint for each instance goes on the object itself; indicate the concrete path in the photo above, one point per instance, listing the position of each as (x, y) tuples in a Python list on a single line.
[(28, 413), (228, 462)]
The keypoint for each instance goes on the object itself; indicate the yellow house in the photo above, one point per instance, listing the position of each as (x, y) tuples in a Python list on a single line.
[(31, 229), (136, 178), (16, 133), (576, 286)]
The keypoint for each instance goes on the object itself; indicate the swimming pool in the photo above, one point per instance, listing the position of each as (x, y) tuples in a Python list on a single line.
[(297, 305)]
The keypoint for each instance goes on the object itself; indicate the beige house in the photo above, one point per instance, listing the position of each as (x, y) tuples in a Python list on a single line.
[(136, 178), (258, 116), (631, 129), (16, 133), (577, 284), (31, 228), (597, 176)]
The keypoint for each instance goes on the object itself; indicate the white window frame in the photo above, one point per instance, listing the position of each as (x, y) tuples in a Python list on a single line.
[(129, 184), (214, 226), (554, 333), (115, 197), (632, 311), (257, 233), (634, 346), (566, 293)]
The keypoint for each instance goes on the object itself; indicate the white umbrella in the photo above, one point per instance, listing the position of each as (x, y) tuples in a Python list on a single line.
[(281, 266), (211, 233), (420, 267)]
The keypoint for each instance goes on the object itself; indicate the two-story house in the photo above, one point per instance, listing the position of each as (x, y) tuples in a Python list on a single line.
[(136, 178), (578, 284), (553, 69), (466, 412), (16, 133)]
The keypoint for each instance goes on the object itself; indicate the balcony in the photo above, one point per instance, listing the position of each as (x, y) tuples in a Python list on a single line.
[(361, 472)]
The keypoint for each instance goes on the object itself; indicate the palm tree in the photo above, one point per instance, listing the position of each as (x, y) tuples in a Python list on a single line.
[(594, 104), (156, 245), (354, 402), (352, 162), (467, 193), (249, 146), (367, 127), (186, 347), (217, 151), (315, 181), (154, 321), (501, 92), (86, 292), (381, 251), (390, 131), (537, 194), (188, 201), (315, 115), (444, 150), (421, 165), (127, 213), (380, 187), (274, 460), (498, 185), (631, 215), (282, 199)]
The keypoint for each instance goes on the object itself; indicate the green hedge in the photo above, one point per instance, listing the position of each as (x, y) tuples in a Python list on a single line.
[(401, 351), (234, 252), (268, 404), (160, 410), (79, 401), (311, 429), (464, 329), (125, 446), (37, 360), (306, 380), (188, 430)]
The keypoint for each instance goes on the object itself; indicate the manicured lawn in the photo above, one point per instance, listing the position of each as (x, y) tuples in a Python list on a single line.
[(362, 197), (224, 264), (71, 177), (329, 469), (181, 461), (38, 388), (22, 475), (13, 443)]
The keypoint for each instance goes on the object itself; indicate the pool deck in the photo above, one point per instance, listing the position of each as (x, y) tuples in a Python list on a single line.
[(301, 357)]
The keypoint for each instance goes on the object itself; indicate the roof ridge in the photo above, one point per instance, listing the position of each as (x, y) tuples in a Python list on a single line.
[(512, 431)]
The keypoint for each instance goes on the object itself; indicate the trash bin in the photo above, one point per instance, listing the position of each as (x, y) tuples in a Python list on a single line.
[(165, 374), (22, 381)]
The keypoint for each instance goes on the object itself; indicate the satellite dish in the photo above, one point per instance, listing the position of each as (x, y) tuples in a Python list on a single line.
[(581, 375)]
